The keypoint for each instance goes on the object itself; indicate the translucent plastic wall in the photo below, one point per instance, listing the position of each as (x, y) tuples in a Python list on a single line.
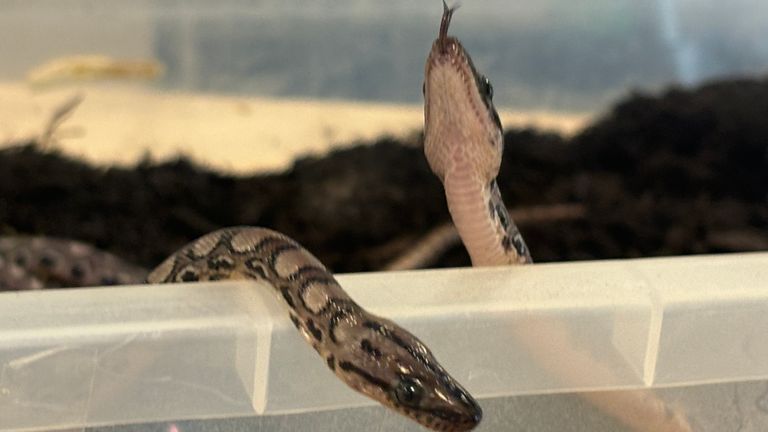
[(141, 354)]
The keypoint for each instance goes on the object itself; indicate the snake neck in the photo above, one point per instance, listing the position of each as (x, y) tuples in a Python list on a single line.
[(482, 220)]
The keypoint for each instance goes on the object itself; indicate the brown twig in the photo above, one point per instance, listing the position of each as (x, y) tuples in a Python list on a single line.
[(59, 115)]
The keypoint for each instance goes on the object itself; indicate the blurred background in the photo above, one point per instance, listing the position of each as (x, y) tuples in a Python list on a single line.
[(356, 66), (639, 110), (548, 54)]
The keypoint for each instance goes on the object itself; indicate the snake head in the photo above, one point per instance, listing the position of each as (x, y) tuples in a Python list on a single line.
[(461, 126), (390, 365)]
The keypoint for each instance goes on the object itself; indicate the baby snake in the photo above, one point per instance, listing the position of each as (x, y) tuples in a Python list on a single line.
[(372, 355), (463, 145)]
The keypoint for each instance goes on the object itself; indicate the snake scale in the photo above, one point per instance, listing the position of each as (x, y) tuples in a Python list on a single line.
[(463, 145)]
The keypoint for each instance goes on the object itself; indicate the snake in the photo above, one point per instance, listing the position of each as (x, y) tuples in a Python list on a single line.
[(372, 355), (463, 144)]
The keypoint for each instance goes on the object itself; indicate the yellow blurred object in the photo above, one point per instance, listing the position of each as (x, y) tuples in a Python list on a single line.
[(94, 67)]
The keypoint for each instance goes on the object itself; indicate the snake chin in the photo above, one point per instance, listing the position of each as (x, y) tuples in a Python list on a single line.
[(445, 422)]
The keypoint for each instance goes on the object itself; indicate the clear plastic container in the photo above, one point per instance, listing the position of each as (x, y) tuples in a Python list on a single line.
[(126, 355)]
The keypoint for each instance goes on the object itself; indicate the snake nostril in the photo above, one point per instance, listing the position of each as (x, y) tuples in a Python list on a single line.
[(77, 272), (477, 417)]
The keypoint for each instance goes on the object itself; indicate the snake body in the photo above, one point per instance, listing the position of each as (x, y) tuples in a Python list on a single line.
[(372, 355)]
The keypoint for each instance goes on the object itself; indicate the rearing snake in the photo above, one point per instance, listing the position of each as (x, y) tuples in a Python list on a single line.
[(463, 145)]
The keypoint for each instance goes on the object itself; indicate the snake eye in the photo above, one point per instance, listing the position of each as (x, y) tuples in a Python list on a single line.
[(485, 87), (409, 391)]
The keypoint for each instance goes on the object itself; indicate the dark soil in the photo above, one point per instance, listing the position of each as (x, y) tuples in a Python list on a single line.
[(685, 172)]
